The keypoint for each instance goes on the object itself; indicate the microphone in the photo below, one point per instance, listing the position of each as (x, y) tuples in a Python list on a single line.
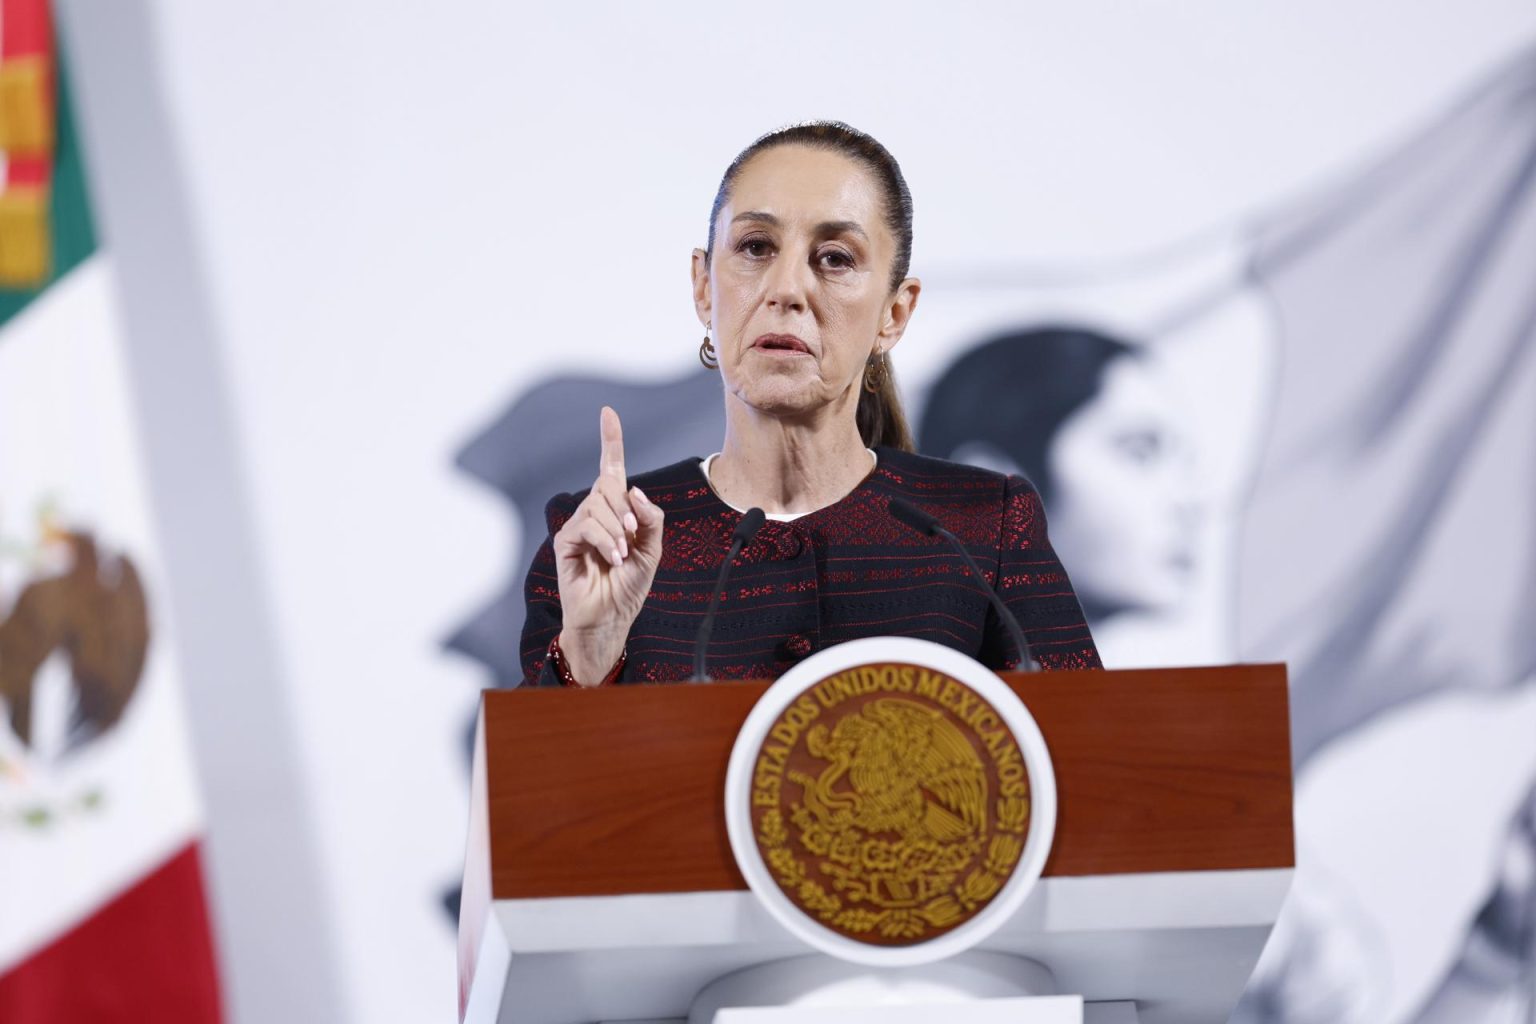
[(905, 512), (745, 530)]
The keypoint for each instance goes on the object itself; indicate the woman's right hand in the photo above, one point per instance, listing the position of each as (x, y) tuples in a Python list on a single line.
[(605, 556)]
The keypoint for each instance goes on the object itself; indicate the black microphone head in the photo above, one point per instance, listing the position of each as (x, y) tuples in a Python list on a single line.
[(905, 512), (751, 521)]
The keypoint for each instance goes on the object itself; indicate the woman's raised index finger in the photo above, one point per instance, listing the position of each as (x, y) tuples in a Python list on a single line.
[(612, 460)]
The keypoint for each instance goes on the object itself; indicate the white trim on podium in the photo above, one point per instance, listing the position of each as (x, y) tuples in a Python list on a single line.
[(1162, 937)]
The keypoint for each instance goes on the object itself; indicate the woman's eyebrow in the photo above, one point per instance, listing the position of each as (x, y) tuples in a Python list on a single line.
[(826, 227), (837, 227), (758, 216)]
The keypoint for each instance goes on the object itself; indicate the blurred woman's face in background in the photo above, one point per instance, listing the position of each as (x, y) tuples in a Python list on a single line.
[(1122, 509)]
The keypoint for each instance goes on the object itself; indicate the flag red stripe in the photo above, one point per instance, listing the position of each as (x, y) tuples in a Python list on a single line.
[(27, 28), (146, 955), (27, 172)]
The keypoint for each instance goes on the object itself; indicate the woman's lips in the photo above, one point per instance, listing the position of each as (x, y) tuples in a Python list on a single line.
[(785, 344)]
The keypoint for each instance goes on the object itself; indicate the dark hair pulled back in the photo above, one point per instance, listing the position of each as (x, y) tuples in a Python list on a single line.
[(1016, 390), (880, 416)]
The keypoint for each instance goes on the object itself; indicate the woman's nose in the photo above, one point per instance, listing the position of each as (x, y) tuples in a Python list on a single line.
[(787, 285)]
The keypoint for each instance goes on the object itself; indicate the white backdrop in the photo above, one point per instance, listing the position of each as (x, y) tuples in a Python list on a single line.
[(404, 214)]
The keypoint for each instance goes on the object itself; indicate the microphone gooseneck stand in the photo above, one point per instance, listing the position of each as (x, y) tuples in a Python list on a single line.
[(905, 512), (745, 530)]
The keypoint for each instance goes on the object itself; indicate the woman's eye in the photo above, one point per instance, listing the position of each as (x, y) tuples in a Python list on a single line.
[(756, 247), (836, 259)]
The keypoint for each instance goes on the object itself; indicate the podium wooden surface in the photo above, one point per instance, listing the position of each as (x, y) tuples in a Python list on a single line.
[(619, 792)]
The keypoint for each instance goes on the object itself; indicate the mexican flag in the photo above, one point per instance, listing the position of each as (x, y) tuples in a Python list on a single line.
[(102, 909)]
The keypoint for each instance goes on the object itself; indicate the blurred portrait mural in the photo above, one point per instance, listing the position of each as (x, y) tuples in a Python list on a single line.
[(1088, 418), (1310, 438)]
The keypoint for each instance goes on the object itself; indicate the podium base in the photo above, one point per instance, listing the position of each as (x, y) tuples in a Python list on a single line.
[(808, 983), (1093, 1013)]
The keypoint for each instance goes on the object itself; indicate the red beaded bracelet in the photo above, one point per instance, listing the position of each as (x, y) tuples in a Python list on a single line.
[(562, 669)]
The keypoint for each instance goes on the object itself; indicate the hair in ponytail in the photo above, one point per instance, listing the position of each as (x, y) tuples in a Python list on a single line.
[(881, 419)]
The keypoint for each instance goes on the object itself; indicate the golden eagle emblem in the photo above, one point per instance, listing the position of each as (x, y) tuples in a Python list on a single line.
[(897, 767), (96, 614), (890, 803)]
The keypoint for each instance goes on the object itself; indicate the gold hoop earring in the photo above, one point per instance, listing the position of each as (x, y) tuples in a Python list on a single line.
[(874, 374), (707, 354)]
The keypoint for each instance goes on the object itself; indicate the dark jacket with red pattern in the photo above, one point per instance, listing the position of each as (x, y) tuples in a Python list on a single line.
[(840, 573)]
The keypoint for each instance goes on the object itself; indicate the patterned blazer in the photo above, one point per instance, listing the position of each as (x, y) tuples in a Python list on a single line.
[(842, 572)]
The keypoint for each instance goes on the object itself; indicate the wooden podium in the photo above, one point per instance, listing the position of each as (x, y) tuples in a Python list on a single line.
[(599, 883)]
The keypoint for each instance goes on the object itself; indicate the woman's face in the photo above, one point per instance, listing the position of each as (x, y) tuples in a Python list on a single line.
[(1122, 509), (798, 288)]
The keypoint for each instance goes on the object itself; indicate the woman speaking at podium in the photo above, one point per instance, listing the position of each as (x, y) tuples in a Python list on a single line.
[(803, 291)]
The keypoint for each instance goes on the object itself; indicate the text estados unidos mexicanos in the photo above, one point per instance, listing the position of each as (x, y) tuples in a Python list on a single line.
[(904, 679)]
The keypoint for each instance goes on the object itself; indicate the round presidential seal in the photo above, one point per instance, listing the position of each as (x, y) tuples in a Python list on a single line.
[(890, 801)]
